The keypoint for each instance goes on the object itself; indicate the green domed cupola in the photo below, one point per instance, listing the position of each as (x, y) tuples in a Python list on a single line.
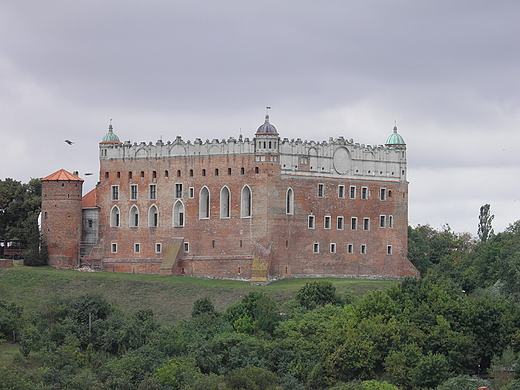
[(395, 139), (110, 137)]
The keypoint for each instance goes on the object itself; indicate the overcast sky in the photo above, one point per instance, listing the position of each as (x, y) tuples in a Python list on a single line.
[(448, 72)]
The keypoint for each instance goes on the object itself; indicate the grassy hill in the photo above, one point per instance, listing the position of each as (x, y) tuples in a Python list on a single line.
[(171, 298)]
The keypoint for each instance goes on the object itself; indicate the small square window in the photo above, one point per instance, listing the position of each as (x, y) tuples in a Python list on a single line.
[(364, 193), (326, 222), (186, 247), (350, 248), (341, 223), (115, 192), (389, 249), (341, 191), (114, 247), (137, 248), (332, 247), (158, 247), (352, 192), (310, 221), (363, 249), (316, 247), (320, 190)]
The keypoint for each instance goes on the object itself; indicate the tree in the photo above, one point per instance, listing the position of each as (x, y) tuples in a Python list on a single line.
[(485, 218), (317, 293), (252, 378), (203, 306)]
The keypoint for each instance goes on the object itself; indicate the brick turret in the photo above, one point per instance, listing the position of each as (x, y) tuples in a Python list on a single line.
[(61, 217)]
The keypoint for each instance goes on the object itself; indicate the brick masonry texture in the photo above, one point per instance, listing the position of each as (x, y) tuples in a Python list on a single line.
[(216, 243)]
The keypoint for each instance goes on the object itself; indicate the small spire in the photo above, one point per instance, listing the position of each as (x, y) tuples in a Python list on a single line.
[(267, 114), (110, 126), (395, 126)]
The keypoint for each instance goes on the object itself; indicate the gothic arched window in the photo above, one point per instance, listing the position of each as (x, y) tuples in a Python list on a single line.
[(246, 202), (204, 203)]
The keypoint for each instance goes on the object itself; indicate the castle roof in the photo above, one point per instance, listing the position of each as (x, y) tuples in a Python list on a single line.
[(62, 175), (110, 137), (395, 139), (90, 199), (266, 128)]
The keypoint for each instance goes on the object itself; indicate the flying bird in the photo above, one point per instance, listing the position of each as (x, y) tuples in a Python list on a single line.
[(69, 141)]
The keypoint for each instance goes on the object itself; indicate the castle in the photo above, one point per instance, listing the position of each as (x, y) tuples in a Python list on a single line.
[(255, 209)]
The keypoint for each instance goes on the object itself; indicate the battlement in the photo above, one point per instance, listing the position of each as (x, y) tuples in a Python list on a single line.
[(336, 157)]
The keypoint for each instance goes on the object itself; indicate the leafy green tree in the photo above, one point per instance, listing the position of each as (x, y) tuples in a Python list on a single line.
[(317, 293), (462, 382), (178, 373), (485, 219), (252, 378), (204, 306), (431, 371), (11, 320), (257, 309)]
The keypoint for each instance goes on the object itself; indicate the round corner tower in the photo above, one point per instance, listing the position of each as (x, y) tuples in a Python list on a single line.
[(62, 217)]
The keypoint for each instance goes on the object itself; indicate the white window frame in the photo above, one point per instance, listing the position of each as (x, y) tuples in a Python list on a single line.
[(353, 223), (316, 247), (246, 202), (366, 224), (204, 203), (311, 219), (137, 247), (134, 195), (113, 247), (352, 192), (390, 222), (178, 190), (115, 192), (186, 247), (363, 249), (341, 191), (382, 194), (321, 190), (382, 221), (389, 250), (153, 218), (158, 247), (340, 223), (133, 221), (327, 222), (179, 214), (225, 203), (115, 217), (350, 249), (333, 247), (153, 191), (364, 193), (191, 193), (289, 201)]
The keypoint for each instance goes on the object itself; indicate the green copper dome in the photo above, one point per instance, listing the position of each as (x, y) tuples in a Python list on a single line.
[(395, 139), (110, 137)]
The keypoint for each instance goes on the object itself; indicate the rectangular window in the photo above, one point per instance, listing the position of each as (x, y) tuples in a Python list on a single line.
[(382, 221), (115, 192), (391, 221), (364, 193), (350, 248), (366, 223), (114, 247), (90, 223), (341, 223), (133, 192), (352, 192), (326, 222), (316, 247), (332, 247), (363, 250), (192, 192), (186, 247), (320, 190), (341, 191), (178, 190), (353, 223), (153, 191), (382, 193), (137, 248), (158, 247), (389, 249), (310, 221), (130, 175)]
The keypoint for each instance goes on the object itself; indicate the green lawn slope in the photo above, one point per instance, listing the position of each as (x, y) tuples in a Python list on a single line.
[(171, 298)]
